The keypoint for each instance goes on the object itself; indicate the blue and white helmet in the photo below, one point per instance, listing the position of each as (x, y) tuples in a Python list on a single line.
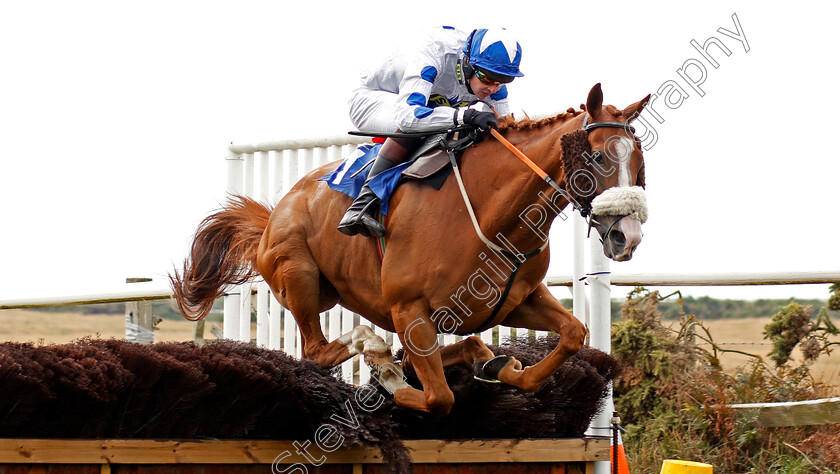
[(494, 50)]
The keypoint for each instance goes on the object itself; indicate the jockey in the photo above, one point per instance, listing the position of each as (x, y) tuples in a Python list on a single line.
[(428, 90)]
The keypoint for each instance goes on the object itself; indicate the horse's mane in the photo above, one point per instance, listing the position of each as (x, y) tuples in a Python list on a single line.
[(508, 123), (574, 145)]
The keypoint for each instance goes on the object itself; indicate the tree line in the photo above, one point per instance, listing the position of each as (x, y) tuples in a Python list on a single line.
[(703, 308)]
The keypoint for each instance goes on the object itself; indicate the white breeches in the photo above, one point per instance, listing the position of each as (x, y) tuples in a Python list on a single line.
[(373, 110)]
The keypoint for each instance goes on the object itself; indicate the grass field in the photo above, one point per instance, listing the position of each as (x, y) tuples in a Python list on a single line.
[(748, 332), (36, 326)]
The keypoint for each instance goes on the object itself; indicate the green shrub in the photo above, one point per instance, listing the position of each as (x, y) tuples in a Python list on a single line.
[(673, 396)]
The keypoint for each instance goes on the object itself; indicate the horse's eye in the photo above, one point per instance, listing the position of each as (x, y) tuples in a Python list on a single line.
[(598, 157)]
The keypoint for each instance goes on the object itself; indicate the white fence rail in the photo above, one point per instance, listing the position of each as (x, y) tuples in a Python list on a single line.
[(153, 292), (711, 279), (118, 296), (807, 412)]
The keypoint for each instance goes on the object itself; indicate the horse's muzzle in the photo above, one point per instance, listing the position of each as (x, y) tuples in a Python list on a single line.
[(620, 235), (618, 213)]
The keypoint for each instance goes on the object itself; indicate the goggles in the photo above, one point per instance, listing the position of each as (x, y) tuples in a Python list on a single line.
[(491, 79)]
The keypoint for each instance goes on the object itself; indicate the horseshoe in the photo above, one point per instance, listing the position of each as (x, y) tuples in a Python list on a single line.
[(488, 370)]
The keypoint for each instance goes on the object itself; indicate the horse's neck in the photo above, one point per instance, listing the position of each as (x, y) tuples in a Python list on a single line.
[(511, 200)]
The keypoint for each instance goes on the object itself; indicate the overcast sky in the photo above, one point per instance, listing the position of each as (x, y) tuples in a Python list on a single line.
[(115, 118)]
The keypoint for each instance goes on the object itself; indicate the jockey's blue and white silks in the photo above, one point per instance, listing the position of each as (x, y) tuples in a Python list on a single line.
[(418, 89), (348, 180)]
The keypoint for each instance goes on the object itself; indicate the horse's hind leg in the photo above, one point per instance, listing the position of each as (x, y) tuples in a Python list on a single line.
[(295, 283), (378, 356)]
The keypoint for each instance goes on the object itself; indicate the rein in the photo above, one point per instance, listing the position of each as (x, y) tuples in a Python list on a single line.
[(518, 260), (587, 127)]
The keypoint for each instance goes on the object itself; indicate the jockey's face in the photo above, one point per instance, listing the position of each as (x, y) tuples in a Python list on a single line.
[(482, 90)]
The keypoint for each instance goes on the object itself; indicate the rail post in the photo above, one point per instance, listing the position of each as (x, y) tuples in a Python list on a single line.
[(579, 303), (600, 326), (139, 318), (235, 165)]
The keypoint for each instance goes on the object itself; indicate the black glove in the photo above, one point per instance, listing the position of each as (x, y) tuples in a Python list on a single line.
[(483, 120)]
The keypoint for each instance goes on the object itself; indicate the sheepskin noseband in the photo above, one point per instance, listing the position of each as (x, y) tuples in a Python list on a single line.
[(622, 201)]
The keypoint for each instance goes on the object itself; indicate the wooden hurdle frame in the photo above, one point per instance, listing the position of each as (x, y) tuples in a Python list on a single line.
[(563, 456)]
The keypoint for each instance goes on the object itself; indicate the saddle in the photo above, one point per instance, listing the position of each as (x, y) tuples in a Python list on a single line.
[(429, 164)]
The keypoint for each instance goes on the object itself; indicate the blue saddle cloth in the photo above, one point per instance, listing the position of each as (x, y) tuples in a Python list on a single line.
[(350, 176)]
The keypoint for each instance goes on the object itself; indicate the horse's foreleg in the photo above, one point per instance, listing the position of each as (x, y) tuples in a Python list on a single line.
[(541, 311), (418, 335)]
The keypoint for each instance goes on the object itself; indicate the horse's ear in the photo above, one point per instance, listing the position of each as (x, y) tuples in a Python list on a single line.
[(633, 110), (594, 101)]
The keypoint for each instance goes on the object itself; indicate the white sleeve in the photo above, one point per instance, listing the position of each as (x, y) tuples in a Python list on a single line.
[(413, 113)]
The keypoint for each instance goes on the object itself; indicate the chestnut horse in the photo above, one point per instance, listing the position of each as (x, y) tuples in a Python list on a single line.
[(437, 274)]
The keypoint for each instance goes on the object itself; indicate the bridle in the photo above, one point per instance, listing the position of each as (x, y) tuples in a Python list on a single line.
[(592, 126), (517, 260), (588, 127), (586, 208)]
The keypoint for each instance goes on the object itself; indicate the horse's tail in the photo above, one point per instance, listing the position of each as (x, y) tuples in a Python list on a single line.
[(224, 252)]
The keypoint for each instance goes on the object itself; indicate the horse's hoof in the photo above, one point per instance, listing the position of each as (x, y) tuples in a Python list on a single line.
[(488, 370)]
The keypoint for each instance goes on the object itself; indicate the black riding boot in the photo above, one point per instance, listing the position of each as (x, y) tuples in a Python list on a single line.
[(361, 215)]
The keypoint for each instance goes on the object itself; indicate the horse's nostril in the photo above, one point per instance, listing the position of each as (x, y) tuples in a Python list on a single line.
[(617, 237)]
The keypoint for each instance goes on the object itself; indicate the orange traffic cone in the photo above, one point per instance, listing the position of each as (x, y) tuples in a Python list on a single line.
[(618, 460)]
